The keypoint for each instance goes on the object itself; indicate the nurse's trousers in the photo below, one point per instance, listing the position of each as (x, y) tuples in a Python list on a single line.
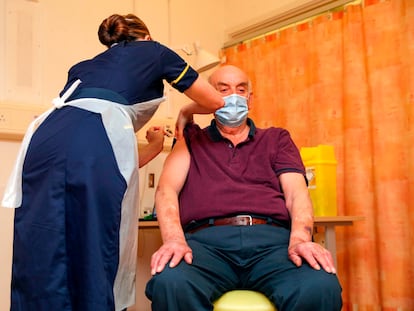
[(243, 257)]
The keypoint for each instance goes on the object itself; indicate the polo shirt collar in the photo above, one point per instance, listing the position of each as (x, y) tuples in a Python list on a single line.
[(215, 135)]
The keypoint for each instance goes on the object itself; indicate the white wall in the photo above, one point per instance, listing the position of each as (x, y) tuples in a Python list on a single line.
[(2, 46), (44, 38)]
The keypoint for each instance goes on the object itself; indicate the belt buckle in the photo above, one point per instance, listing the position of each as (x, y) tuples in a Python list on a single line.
[(249, 220)]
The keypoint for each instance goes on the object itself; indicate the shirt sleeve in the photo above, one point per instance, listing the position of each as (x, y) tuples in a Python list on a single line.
[(287, 157), (177, 72)]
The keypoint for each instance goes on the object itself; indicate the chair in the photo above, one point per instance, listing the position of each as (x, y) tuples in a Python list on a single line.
[(243, 300)]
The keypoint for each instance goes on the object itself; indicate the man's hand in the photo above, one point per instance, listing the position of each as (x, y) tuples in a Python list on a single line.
[(314, 254), (184, 117), (173, 252)]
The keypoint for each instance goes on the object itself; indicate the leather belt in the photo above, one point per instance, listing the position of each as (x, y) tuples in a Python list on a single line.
[(239, 220)]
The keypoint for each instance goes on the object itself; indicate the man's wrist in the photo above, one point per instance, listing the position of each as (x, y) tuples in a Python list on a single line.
[(300, 237)]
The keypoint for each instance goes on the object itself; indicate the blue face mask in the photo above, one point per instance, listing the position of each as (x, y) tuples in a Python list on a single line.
[(234, 112)]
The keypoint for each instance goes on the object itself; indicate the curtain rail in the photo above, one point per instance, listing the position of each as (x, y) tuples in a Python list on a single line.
[(281, 20)]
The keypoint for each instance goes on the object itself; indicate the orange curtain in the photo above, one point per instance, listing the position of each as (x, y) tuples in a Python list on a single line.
[(347, 79)]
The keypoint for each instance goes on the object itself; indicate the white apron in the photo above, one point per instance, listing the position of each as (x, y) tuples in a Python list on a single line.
[(120, 122)]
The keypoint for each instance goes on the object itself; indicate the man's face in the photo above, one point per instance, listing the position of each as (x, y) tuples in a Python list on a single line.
[(229, 87), (230, 80)]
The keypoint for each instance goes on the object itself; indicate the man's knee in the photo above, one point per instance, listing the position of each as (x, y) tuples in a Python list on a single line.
[(323, 293), (167, 279), (170, 280)]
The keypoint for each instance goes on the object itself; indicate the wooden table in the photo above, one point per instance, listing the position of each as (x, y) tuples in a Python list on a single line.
[(329, 223)]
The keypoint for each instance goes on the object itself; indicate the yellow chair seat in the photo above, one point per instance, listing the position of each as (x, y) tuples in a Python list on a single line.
[(243, 300)]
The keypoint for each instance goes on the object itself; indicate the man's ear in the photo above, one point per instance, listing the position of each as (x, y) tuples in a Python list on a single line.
[(250, 101)]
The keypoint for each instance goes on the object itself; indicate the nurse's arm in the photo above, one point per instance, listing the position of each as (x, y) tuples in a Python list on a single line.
[(205, 95)]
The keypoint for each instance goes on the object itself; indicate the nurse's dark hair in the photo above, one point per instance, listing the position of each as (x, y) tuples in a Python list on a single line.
[(117, 28)]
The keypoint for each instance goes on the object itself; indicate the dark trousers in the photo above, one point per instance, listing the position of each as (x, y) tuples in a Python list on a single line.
[(251, 257)]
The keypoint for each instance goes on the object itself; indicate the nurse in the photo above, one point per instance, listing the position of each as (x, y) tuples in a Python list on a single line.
[(75, 181)]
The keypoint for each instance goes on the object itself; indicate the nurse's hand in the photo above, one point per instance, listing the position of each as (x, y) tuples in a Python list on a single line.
[(155, 138), (172, 252), (155, 135)]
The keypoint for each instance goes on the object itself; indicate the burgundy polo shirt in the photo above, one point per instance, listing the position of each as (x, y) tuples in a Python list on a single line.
[(228, 180)]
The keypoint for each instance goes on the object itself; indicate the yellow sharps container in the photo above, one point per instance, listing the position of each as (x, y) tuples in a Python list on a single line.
[(320, 166)]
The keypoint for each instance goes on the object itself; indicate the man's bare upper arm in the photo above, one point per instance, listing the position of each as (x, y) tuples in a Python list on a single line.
[(293, 185), (176, 167)]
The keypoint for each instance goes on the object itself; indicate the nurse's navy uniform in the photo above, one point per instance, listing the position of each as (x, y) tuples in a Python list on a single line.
[(76, 181)]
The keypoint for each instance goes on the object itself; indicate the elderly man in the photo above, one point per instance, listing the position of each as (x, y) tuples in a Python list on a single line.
[(234, 212)]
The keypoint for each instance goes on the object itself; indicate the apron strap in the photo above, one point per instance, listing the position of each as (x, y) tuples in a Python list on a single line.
[(59, 102)]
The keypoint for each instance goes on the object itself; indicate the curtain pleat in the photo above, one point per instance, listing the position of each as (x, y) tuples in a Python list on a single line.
[(347, 79)]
